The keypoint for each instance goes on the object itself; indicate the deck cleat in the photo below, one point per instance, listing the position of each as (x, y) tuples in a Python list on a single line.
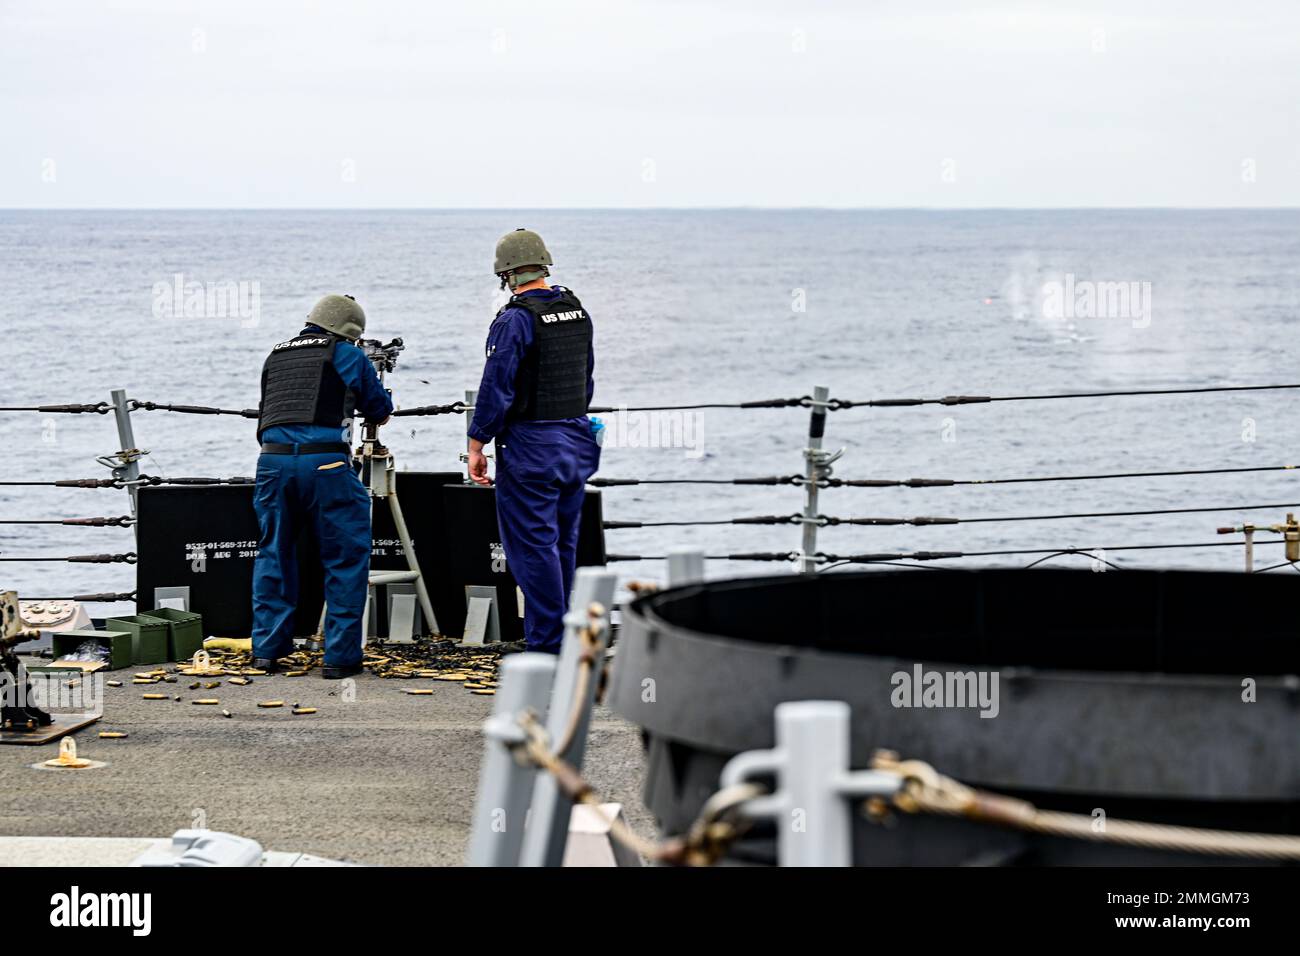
[(68, 758), (202, 666)]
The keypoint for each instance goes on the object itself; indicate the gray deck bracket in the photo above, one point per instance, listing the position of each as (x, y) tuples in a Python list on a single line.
[(482, 623), (812, 806)]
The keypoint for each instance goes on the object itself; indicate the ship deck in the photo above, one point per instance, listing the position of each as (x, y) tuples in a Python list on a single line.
[(387, 778)]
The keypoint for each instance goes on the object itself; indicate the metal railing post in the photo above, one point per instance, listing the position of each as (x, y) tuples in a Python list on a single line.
[(814, 464), (811, 805), (130, 466), (685, 566), (504, 786), (548, 822), (471, 398)]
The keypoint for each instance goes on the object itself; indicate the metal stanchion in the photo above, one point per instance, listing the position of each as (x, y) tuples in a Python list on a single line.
[(129, 468), (471, 397), (504, 785), (817, 466), (685, 566), (548, 824), (811, 805)]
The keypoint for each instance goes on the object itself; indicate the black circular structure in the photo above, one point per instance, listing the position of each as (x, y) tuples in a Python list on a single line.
[(1161, 696)]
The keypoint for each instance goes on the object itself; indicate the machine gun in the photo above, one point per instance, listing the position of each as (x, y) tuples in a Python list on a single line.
[(382, 357), (16, 711)]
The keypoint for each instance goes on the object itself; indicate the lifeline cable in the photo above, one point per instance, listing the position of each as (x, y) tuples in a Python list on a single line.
[(103, 597), (771, 480), (459, 408), (802, 401), (121, 521), (922, 521), (99, 408), (137, 405), (889, 557), (151, 480), (946, 482), (1058, 554), (837, 404), (749, 556), (903, 564), (757, 519), (129, 482), (945, 555), (69, 483), (827, 521), (128, 558), (800, 480), (455, 408)]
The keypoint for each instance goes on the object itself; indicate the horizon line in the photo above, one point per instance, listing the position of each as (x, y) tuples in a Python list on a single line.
[(743, 208)]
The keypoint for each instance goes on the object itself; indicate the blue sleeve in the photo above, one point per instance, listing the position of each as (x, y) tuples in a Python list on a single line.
[(360, 376), (508, 340)]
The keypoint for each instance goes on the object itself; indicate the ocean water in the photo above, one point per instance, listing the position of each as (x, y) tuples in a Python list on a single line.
[(700, 306)]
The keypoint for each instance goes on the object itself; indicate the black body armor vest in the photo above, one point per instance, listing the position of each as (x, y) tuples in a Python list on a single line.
[(300, 385), (552, 380)]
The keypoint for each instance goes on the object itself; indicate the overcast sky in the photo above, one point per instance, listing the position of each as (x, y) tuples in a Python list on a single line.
[(562, 103)]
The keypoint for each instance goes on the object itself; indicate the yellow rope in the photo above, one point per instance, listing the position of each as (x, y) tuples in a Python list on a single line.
[(925, 790)]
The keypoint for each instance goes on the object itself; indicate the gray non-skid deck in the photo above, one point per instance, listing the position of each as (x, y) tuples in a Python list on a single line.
[(387, 778)]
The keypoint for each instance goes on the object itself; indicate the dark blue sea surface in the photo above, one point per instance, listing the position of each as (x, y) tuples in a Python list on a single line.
[(699, 306)]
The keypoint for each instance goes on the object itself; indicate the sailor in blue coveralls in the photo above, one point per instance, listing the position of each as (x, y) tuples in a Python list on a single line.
[(533, 402), (311, 385)]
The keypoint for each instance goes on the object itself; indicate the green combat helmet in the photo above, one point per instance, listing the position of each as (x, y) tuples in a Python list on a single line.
[(523, 247), (339, 314)]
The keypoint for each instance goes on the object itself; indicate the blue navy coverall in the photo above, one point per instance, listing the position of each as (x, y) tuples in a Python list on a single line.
[(542, 468), (321, 490)]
